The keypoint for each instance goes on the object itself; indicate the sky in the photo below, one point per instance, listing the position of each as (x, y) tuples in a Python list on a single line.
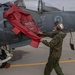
[(69, 5)]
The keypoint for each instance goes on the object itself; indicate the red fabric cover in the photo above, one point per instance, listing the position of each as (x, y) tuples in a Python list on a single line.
[(16, 31), (23, 22)]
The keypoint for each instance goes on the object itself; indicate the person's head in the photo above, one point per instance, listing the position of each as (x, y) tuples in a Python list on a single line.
[(58, 26)]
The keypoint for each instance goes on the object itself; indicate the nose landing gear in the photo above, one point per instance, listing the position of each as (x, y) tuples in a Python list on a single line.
[(5, 56)]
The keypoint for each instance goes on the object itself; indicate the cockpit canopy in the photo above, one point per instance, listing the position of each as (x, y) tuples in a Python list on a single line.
[(36, 5)]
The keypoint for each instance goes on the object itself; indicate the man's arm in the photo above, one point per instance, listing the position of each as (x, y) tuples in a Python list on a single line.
[(49, 34), (55, 41), (45, 42), (52, 43)]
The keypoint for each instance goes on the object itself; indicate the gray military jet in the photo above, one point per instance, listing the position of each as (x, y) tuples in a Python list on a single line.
[(44, 18)]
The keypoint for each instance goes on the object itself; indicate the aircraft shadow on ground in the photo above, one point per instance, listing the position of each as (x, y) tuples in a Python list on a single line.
[(17, 55)]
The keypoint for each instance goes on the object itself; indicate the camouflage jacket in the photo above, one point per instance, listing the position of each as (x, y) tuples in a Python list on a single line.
[(55, 44)]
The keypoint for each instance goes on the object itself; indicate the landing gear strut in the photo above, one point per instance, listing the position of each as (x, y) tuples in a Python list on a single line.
[(4, 57)]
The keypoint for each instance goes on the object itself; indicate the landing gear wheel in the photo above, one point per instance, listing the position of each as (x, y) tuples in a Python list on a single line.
[(3, 64)]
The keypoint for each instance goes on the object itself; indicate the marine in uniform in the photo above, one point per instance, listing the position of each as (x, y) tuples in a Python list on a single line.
[(55, 49)]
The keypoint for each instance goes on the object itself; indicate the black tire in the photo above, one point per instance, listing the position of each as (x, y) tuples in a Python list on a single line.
[(3, 64)]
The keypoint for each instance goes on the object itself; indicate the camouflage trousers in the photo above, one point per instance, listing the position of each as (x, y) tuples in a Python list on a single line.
[(53, 63)]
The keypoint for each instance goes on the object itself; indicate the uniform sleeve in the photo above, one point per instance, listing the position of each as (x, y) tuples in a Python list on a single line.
[(49, 34), (45, 42), (54, 41)]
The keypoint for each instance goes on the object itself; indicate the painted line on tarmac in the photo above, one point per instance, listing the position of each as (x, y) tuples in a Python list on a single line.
[(41, 63)]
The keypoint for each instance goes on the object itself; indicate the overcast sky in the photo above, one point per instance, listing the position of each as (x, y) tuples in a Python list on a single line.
[(68, 5)]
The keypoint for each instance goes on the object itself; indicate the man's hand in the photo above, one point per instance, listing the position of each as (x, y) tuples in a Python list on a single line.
[(41, 39), (40, 33)]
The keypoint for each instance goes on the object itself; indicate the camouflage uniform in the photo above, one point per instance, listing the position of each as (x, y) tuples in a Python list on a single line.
[(55, 52)]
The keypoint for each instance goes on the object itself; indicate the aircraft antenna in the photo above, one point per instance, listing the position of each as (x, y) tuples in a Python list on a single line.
[(40, 6), (63, 8)]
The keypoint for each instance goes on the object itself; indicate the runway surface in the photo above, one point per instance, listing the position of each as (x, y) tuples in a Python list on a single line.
[(31, 61)]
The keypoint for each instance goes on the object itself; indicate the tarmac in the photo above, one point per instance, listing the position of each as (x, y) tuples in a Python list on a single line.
[(31, 61)]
